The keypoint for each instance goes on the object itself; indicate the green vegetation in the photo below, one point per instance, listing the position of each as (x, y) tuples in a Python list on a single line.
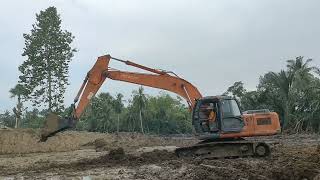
[(293, 93), (160, 114), (48, 52)]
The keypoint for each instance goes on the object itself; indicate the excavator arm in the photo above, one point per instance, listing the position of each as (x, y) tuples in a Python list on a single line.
[(101, 71)]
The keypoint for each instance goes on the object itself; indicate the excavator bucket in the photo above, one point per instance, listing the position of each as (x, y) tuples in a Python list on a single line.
[(55, 124)]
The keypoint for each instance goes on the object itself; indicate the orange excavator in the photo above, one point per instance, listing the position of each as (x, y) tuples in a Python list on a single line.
[(217, 120)]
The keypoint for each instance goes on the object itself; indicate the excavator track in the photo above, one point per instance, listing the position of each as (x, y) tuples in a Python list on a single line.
[(225, 149)]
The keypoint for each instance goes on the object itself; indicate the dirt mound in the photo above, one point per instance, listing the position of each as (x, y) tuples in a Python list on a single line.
[(118, 157), (116, 154), (17, 141), (99, 144), (158, 155), (22, 141)]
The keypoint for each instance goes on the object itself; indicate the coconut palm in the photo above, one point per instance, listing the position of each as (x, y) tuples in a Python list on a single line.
[(140, 99), (118, 106), (301, 71), (283, 81), (20, 92), (292, 83)]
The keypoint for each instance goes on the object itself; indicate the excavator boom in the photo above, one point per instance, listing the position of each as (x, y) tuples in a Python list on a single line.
[(101, 71), (159, 79)]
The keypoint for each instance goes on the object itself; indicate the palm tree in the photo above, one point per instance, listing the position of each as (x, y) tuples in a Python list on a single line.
[(298, 77), (301, 71), (318, 71), (20, 92), (283, 81), (118, 106), (295, 65), (140, 100)]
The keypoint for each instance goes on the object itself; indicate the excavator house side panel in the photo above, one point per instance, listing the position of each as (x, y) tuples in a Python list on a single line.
[(257, 125), (266, 124)]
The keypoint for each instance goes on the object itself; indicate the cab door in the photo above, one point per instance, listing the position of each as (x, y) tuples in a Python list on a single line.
[(200, 116), (231, 116)]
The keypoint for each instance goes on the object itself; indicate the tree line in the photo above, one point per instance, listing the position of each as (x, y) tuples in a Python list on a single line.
[(161, 114)]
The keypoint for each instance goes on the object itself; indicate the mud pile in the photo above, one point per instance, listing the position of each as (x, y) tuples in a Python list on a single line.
[(22, 141), (28, 141)]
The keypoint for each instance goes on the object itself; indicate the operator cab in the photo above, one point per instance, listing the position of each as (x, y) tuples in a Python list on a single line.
[(217, 114)]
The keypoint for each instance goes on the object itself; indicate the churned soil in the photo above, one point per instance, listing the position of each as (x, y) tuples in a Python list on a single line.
[(87, 155)]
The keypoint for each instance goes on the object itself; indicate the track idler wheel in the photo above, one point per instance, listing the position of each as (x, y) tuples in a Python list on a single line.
[(262, 150)]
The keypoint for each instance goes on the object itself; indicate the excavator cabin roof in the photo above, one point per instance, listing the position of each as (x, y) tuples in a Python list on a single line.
[(217, 98)]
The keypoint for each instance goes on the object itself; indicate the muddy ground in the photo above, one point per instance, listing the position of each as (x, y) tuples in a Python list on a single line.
[(85, 155)]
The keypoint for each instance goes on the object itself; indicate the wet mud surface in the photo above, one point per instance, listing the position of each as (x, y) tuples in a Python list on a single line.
[(84, 155)]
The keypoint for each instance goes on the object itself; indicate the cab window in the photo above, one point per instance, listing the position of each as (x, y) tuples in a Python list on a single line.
[(230, 108)]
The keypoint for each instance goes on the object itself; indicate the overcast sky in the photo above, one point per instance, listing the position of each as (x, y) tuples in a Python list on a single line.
[(211, 43)]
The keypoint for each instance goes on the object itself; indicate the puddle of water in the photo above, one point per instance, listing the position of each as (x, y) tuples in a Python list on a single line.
[(86, 178)]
